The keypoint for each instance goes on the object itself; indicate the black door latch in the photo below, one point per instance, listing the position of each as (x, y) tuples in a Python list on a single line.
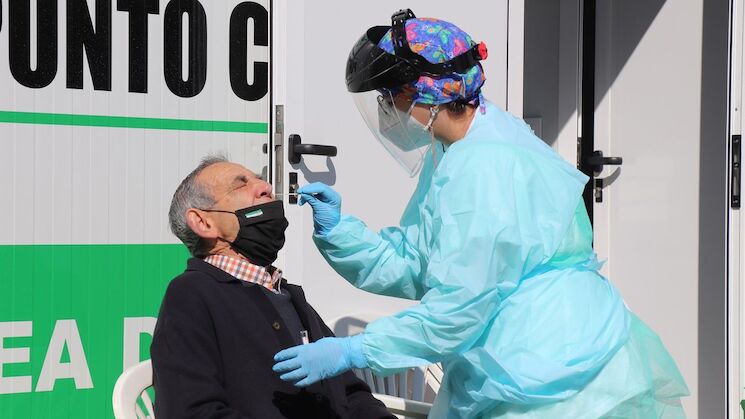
[(597, 161), (296, 148)]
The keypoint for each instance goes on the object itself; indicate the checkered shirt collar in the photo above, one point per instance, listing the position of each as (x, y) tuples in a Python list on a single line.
[(244, 270)]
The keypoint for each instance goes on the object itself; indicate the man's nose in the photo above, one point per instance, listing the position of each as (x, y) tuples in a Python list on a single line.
[(263, 189)]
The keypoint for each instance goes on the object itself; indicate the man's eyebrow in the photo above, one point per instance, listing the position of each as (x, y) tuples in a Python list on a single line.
[(239, 180)]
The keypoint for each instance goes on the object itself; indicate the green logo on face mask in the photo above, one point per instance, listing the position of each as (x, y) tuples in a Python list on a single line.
[(253, 214)]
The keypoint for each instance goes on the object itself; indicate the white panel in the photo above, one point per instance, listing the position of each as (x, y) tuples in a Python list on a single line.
[(158, 101), (22, 183), (98, 185), (103, 190), (649, 114)]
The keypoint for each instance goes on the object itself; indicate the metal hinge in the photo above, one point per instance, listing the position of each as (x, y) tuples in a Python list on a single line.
[(279, 162)]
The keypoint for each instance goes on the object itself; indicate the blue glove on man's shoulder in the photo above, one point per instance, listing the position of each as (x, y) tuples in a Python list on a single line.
[(328, 357), (326, 204)]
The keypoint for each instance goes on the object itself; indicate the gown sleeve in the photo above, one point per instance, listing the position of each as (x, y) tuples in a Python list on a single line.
[(389, 262), (384, 263)]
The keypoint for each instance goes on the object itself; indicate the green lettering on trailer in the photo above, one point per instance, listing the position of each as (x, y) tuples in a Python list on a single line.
[(103, 290)]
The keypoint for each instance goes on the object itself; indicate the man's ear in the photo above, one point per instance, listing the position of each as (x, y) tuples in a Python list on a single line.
[(201, 224)]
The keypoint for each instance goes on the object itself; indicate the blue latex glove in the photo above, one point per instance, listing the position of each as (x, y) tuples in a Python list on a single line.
[(326, 204), (328, 357)]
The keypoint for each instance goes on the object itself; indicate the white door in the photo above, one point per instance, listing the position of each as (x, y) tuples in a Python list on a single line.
[(311, 43), (648, 111), (736, 290)]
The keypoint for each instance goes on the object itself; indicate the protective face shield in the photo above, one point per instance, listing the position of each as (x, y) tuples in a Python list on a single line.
[(376, 78), (389, 119)]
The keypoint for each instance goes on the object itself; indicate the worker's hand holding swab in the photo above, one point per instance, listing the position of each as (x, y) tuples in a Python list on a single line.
[(326, 204)]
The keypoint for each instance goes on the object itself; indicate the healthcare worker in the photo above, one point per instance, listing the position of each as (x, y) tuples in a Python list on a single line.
[(495, 243)]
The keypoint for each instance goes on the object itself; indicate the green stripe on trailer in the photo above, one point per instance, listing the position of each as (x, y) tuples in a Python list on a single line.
[(38, 118)]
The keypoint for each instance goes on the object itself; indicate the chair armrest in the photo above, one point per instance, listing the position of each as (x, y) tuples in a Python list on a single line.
[(408, 408)]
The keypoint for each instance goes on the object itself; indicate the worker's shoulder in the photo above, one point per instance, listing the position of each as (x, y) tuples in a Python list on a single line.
[(499, 134), (508, 161), (477, 153), (480, 147)]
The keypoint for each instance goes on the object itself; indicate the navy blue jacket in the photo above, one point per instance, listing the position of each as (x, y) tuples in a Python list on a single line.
[(213, 350)]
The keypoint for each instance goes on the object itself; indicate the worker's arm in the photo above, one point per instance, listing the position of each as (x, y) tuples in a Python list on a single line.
[(382, 263)]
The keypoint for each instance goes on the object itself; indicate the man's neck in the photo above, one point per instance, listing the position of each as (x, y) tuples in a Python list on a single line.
[(224, 248)]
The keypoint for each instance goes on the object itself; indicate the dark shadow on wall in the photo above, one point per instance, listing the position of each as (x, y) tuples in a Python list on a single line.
[(541, 65), (328, 176), (713, 198)]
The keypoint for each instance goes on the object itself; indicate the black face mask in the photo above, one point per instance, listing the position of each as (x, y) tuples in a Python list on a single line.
[(261, 232)]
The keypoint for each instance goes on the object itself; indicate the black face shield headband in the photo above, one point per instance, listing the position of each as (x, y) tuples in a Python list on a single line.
[(369, 67)]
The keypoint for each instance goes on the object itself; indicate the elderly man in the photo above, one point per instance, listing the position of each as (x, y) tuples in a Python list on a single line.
[(225, 317)]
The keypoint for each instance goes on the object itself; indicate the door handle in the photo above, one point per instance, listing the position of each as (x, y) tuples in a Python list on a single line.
[(597, 161), (296, 148)]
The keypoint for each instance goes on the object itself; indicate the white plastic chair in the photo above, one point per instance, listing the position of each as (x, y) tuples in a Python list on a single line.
[(131, 386), (134, 382), (407, 395)]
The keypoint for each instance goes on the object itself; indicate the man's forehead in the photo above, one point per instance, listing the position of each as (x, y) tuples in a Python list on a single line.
[(225, 175)]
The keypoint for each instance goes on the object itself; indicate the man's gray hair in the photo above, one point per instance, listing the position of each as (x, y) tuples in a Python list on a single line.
[(192, 194)]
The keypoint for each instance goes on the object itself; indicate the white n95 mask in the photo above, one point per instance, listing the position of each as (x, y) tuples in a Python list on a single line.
[(400, 128), (405, 138)]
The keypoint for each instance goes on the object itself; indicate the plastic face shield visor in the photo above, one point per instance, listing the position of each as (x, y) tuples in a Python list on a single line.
[(389, 119)]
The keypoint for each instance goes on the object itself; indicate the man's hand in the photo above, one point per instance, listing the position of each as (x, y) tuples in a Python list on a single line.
[(304, 365), (326, 204)]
